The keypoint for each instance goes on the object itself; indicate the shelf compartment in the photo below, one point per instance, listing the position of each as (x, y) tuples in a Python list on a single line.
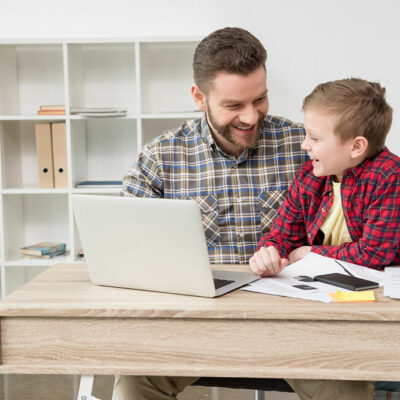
[(166, 77), (152, 128), (34, 218), (18, 142), (17, 276), (102, 149), (102, 75), (31, 76)]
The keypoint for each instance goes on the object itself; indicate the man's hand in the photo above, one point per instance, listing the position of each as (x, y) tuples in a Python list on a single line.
[(267, 261), (299, 253)]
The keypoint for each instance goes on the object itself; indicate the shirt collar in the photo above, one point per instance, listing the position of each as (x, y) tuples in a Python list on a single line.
[(358, 169)]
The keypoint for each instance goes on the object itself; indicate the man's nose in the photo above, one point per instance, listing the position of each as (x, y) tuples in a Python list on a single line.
[(249, 116)]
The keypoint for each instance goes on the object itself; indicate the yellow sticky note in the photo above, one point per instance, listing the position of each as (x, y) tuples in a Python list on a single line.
[(349, 297)]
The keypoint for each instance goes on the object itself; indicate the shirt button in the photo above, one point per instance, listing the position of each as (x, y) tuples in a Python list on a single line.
[(323, 209), (309, 236), (241, 234)]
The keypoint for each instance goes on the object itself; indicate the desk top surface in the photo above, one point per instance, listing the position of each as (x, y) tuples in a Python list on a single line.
[(64, 290)]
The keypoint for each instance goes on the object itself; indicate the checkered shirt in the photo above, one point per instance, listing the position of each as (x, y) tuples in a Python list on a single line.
[(238, 198), (370, 194)]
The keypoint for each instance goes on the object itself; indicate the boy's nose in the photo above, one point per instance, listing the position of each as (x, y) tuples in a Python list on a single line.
[(305, 145)]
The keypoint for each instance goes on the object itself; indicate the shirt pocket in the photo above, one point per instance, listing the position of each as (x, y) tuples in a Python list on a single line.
[(209, 215), (268, 203)]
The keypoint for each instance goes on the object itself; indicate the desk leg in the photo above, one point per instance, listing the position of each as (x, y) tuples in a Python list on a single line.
[(86, 387), (259, 395)]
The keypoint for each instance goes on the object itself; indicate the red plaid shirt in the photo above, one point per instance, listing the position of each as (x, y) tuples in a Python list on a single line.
[(371, 205)]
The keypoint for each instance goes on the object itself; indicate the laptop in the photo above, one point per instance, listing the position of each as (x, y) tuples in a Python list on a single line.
[(150, 244)]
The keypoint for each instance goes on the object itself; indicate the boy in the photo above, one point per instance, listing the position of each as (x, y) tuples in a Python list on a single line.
[(344, 203)]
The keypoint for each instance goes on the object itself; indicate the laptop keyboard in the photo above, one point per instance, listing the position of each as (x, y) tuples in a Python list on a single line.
[(218, 283)]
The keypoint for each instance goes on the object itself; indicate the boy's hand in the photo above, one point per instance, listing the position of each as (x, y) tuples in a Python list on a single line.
[(299, 253), (267, 261)]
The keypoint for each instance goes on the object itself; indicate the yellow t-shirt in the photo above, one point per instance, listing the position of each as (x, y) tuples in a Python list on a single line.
[(334, 226)]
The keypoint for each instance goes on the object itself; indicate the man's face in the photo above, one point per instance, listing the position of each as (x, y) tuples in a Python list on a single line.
[(235, 106)]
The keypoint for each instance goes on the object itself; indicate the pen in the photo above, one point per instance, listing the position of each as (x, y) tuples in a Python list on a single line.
[(344, 268)]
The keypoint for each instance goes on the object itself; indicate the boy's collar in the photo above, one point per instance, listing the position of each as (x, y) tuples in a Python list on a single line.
[(356, 171)]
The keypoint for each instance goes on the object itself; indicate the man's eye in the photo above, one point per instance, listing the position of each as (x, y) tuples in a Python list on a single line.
[(261, 99)]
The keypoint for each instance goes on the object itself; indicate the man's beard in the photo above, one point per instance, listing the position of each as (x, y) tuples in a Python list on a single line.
[(225, 131)]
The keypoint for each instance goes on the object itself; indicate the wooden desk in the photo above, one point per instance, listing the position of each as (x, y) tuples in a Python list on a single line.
[(60, 323)]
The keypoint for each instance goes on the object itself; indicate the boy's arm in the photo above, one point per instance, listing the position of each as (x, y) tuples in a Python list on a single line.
[(288, 229), (380, 241), (144, 178)]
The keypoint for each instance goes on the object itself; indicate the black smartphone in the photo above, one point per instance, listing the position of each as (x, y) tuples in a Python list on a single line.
[(347, 281)]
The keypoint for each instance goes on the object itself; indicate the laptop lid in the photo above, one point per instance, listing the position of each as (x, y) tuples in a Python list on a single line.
[(148, 244)]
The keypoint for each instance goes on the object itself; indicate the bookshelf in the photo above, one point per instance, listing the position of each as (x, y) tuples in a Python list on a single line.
[(151, 77)]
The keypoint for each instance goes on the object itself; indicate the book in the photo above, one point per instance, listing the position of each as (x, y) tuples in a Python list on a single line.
[(45, 256), (97, 110), (59, 138), (44, 149), (51, 112), (44, 248), (52, 108), (98, 184), (98, 115)]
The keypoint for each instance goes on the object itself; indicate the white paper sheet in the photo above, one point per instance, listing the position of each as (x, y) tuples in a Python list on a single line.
[(392, 282), (296, 280)]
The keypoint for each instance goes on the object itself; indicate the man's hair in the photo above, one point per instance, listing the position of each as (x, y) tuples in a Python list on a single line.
[(232, 50), (361, 109)]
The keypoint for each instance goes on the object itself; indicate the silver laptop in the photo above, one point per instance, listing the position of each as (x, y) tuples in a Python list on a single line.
[(149, 244)]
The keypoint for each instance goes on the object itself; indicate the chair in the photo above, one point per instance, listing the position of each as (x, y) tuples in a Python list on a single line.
[(259, 385)]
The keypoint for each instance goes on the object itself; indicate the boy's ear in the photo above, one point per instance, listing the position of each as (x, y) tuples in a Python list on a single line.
[(199, 98), (359, 146)]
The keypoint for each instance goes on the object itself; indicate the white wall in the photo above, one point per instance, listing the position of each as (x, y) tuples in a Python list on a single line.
[(308, 41)]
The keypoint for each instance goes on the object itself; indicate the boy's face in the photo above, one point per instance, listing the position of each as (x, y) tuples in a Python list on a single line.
[(329, 155), (235, 106)]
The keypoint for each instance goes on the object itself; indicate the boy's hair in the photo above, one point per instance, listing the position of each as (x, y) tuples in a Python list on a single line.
[(361, 108), (232, 50)]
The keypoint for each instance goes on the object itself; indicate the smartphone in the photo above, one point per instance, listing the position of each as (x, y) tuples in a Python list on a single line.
[(347, 281)]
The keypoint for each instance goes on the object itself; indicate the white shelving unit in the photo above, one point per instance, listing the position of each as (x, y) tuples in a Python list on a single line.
[(150, 77)]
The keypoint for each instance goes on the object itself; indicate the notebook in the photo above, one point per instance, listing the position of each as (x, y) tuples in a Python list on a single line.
[(149, 244)]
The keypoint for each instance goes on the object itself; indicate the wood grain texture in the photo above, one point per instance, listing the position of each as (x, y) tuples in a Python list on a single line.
[(64, 290), (61, 323), (290, 349)]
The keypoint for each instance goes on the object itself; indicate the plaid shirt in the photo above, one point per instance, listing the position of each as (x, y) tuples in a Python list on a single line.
[(238, 198), (371, 206)]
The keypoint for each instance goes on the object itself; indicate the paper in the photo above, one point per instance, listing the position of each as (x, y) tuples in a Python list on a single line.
[(353, 297), (314, 264), (297, 279), (392, 282)]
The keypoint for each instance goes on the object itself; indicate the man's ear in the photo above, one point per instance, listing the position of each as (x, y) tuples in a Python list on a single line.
[(199, 98), (359, 147)]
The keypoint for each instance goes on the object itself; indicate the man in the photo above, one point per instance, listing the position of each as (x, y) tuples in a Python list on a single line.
[(236, 162)]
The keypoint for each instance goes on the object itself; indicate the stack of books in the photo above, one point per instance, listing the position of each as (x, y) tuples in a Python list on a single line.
[(52, 110), (44, 250), (99, 184), (98, 111)]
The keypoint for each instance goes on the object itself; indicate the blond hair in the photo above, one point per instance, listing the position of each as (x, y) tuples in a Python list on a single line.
[(361, 108)]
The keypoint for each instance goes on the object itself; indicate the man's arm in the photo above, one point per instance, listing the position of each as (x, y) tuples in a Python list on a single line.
[(144, 179), (288, 229), (380, 240)]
